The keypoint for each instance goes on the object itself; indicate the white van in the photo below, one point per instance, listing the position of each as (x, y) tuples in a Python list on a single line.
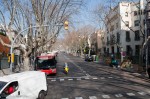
[(25, 85)]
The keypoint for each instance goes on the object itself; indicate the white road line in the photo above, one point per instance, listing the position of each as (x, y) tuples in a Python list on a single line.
[(92, 97), (78, 98), (95, 78), (78, 78), (87, 78), (61, 79), (102, 77), (105, 96), (148, 91), (110, 77), (64, 98), (53, 80), (130, 94), (118, 95), (70, 79), (67, 77), (142, 93)]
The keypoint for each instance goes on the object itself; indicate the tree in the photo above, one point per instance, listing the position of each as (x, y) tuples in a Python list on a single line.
[(37, 12)]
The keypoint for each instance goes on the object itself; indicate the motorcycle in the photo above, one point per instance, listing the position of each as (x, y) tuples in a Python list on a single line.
[(66, 68)]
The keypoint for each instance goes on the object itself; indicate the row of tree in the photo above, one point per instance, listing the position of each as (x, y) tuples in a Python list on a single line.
[(40, 20)]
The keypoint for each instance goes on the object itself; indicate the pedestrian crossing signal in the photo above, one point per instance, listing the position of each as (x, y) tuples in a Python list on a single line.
[(11, 57), (66, 25)]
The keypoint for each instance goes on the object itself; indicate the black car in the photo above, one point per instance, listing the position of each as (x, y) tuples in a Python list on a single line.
[(88, 58)]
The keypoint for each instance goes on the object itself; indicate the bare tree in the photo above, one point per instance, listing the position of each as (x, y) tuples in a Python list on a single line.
[(38, 12)]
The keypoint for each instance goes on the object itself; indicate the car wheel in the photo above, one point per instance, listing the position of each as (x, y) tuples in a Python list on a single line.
[(41, 95)]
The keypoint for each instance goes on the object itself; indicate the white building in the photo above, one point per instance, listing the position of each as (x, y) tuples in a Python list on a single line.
[(124, 28)]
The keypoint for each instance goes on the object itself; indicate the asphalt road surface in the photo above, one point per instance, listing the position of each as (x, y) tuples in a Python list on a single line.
[(90, 80)]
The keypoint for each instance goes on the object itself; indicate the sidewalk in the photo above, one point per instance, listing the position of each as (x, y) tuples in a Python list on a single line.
[(133, 71), (5, 72)]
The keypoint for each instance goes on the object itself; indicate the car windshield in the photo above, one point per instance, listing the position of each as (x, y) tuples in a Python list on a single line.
[(2, 84), (43, 63)]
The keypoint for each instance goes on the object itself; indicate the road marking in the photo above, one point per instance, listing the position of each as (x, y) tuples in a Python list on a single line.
[(53, 80), (105, 96), (61, 79), (142, 93), (95, 78), (64, 98), (77, 66), (110, 77), (118, 95), (102, 77), (130, 94), (87, 78), (70, 79), (67, 77), (92, 97), (78, 78), (78, 98), (148, 91)]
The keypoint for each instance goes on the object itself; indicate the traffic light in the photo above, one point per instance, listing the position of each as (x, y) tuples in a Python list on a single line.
[(66, 25), (11, 57)]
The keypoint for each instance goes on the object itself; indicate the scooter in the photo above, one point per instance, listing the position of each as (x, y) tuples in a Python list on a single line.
[(66, 68)]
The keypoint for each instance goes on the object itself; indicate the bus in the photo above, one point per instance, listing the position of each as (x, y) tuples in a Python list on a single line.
[(46, 63)]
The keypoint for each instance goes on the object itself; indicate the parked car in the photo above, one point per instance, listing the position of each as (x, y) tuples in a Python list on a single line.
[(88, 58), (25, 85)]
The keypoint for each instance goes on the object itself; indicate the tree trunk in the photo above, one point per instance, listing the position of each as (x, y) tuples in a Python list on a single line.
[(26, 64)]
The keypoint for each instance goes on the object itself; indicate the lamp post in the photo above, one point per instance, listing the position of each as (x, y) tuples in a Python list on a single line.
[(12, 44), (121, 54)]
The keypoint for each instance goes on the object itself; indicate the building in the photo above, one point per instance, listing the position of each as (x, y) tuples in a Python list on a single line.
[(97, 42), (125, 28)]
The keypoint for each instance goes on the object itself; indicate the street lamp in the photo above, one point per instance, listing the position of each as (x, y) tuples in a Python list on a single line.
[(12, 44)]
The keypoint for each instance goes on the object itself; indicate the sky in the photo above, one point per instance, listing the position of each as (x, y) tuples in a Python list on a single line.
[(85, 17)]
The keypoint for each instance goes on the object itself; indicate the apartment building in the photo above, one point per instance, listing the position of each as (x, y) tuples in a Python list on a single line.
[(125, 28)]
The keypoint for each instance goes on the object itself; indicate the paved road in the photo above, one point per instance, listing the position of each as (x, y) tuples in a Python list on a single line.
[(89, 80)]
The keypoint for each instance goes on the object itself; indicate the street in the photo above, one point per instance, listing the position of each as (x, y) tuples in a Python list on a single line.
[(90, 80)]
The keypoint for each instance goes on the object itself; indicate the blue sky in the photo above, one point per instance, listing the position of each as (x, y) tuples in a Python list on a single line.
[(85, 16)]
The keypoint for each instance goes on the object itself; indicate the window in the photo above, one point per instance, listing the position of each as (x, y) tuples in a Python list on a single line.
[(112, 28), (107, 50), (107, 40), (135, 13), (118, 49), (112, 49), (126, 14), (11, 88), (137, 35), (128, 50), (118, 37), (144, 22), (127, 23), (2, 32), (128, 36), (136, 23), (137, 50), (116, 25)]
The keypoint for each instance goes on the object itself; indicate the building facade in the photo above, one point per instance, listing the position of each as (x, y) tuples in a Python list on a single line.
[(125, 28)]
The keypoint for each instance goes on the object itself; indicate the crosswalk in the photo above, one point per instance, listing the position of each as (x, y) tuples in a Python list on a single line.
[(115, 96), (79, 78)]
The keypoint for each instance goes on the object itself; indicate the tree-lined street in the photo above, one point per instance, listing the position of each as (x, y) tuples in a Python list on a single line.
[(90, 80), (104, 44)]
